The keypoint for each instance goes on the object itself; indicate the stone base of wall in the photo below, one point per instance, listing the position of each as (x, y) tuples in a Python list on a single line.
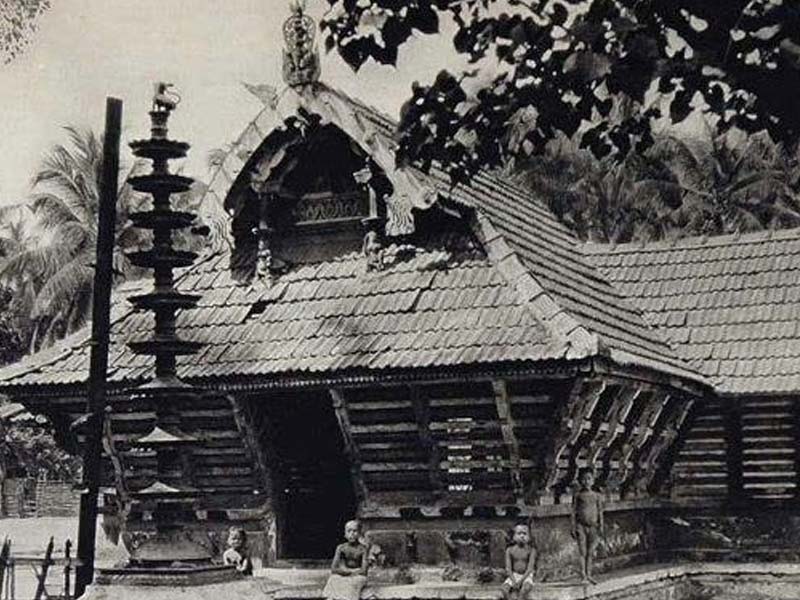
[(754, 536), (482, 543)]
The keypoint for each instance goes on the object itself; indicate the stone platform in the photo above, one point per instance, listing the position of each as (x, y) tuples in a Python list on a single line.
[(690, 581)]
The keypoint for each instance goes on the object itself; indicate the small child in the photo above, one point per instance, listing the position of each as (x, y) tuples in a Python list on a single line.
[(236, 554), (349, 566), (587, 521), (520, 565)]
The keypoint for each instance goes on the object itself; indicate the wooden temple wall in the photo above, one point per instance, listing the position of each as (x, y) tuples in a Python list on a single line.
[(222, 464), (442, 470), (739, 451)]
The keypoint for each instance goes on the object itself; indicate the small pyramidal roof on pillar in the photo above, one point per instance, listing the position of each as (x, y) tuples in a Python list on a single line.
[(301, 64)]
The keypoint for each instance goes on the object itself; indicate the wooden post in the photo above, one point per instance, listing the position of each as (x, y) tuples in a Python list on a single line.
[(733, 441), (41, 577), (350, 446), (422, 414), (503, 405), (98, 367), (67, 569)]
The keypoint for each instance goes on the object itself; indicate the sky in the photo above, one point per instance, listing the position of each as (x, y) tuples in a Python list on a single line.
[(86, 50)]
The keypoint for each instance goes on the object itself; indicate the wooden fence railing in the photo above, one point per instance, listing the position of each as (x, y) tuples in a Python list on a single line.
[(40, 567)]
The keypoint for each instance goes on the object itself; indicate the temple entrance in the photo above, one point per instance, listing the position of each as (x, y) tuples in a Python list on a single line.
[(318, 495)]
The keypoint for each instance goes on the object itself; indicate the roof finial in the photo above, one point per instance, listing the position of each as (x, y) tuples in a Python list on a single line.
[(300, 57)]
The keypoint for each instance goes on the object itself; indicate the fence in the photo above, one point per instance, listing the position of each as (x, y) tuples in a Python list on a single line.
[(33, 574)]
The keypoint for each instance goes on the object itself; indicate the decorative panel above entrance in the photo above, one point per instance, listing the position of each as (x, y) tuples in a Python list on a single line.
[(329, 207)]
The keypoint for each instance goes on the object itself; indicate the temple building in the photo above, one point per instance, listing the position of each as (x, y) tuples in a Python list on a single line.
[(441, 361)]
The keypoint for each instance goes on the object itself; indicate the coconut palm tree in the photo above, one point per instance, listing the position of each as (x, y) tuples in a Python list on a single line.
[(678, 187), (729, 186), (601, 200), (57, 269), (58, 266)]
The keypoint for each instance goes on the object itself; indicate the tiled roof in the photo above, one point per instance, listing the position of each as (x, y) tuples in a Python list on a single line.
[(554, 259), (535, 297), (730, 303), (321, 317)]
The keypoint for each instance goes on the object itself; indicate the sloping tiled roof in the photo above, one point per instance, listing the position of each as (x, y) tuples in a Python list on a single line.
[(555, 260), (536, 297), (321, 317), (730, 303)]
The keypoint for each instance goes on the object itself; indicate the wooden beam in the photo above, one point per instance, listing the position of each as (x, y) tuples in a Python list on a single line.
[(256, 435), (571, 418), (660, 442), (614, 422), (639, 432), (350, 446), (733, 441), (422, 413), (503, 404), (115, 457), (661, 474)]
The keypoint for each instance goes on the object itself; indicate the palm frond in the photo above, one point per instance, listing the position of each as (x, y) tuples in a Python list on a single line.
[(64, 287), (51, 211)]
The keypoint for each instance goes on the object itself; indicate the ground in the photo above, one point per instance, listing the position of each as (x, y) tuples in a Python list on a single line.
[(29, 537)]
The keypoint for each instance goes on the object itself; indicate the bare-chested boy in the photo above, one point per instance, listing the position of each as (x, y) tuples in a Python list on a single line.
[(520, 565), (587, 521)]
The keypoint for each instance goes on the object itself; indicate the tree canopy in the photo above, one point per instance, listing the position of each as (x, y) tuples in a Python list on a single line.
[(52, 271), (18, 21), (606, 71)]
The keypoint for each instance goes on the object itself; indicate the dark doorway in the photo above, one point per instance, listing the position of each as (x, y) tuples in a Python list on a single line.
[(318, 493)]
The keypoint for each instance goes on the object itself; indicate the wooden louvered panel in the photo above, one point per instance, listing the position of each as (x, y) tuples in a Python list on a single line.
[(769, 440), (701, 469)]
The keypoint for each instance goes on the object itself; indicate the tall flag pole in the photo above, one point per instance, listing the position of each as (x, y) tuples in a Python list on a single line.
[(93, 422)]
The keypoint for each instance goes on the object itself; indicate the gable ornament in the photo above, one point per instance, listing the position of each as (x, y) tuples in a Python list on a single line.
[(300, 57)]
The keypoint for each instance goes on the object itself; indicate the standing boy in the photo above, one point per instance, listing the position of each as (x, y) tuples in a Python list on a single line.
[(587, 521), (520, 564)]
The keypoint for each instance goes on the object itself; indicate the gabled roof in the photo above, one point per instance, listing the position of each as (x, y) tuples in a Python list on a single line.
[(533, 297), (729, 303)]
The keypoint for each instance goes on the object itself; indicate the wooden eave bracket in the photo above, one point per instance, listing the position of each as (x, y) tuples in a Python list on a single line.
[(565, 330)]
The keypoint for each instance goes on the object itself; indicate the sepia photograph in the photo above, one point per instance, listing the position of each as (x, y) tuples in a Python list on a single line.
[(400, 300)]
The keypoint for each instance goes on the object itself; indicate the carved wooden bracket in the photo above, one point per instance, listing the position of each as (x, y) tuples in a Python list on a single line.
[(637, 434), (613, 425), (648, 464), (572, 418)]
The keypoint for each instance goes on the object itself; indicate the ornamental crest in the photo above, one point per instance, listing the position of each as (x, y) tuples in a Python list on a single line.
[(300, 57)]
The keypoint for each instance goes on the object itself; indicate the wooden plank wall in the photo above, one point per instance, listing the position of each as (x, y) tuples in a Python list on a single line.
[(740, 451), (222, 464), (474, 442)]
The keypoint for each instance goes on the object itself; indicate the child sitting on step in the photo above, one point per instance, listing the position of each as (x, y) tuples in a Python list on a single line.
[(520, 565), (349, 566)]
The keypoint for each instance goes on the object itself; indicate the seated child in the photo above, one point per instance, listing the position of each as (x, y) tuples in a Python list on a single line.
[(349, 566), (236, 554), (587, 521), (520, 564)]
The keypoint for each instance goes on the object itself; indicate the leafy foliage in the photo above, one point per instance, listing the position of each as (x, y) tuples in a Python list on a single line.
[(11, 345), (54, 270), (544, 67), (31, 447), (18, 22), (674, 188)]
